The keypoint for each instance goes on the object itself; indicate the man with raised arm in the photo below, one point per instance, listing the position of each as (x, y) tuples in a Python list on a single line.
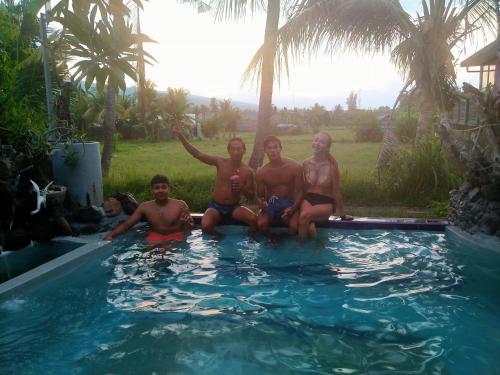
[(279, 189), (169, 218), (233, 179)]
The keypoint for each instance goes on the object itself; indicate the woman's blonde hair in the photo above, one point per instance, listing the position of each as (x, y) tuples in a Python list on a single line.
[(330, 140)]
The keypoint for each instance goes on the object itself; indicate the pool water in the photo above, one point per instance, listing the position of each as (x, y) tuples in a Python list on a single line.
[(361, 302)]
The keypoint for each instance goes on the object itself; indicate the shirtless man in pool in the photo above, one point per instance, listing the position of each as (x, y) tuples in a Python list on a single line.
[(233, 179), (169, 218), (279, 189)]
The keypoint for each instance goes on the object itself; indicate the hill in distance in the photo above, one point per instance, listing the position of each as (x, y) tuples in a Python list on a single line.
[(203, 100)]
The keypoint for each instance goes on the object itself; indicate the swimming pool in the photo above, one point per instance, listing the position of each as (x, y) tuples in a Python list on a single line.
[(370, 301)]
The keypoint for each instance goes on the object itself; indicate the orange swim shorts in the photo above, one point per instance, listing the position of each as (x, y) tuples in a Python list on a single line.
[(154, 237)]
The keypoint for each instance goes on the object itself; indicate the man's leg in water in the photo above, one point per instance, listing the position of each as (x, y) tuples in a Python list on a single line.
[(293, 223), (245, 215), (263, 222), (210, 219)]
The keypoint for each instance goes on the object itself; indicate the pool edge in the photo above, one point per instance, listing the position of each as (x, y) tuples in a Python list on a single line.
[(371, 223), (51, 269), (478, 240)]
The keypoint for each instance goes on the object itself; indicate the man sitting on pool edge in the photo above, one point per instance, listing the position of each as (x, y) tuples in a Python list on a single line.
[(234, 178), (279, 189), (169, 218)]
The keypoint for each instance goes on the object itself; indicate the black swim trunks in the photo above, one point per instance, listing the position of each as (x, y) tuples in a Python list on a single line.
[(225, 210), (315, 199)]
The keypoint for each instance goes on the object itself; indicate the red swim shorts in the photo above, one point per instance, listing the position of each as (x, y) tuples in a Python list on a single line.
[(154, 237)]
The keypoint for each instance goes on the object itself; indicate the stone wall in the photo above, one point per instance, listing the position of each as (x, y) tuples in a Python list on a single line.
[(476, 208)]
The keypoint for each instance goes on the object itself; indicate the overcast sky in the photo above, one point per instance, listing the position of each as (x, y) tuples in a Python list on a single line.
[(208, 58)]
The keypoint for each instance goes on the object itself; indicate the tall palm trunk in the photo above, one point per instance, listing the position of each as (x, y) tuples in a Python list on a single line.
[(141, 73), (427, 115), (266, 87), (109, 129)]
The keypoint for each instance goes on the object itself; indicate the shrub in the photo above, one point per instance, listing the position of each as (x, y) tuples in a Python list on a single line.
[(367, 126), (406, 125), (421, 173), (211, 127)]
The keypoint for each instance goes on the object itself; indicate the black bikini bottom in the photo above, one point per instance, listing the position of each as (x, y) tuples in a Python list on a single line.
[(315, 199)]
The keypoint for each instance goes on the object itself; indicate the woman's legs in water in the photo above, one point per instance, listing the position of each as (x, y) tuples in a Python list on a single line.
[(310, 214)]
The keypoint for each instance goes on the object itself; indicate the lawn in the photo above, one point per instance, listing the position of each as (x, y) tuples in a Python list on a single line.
[(134, 163)]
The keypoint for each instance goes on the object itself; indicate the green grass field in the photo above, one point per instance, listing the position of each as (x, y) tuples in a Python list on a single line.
[(134, 163)]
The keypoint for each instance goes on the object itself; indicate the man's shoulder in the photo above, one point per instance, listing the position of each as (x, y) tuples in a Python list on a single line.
[(292, 163), (245, 168), (263, 169), (146, 204), (178, 202)]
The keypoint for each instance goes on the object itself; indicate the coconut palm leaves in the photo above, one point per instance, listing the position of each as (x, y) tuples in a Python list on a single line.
[(420, 47), (102, 52), (100, 39)]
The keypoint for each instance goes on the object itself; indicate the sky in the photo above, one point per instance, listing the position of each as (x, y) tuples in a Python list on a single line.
[(208, 58)]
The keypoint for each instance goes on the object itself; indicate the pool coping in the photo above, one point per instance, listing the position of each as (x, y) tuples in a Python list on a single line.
[(371, 223), (475, 241), (53, 268)]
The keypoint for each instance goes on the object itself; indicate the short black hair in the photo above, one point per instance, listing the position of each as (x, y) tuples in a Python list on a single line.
[(236, 139), (160, 179), (271, 138)]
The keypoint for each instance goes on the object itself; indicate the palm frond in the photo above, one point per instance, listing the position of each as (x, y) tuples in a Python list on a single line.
[(335, 25), (235, 9)]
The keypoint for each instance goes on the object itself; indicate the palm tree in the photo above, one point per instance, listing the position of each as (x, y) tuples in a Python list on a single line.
[(174, 106), (228, 116), (420, 46), (235, 9), (105, 47)]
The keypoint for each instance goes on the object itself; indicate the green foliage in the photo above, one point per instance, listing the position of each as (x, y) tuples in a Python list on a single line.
[(211, 127), (367, 126), (421, 173), (317, 116), (406, 125), (70, 155), (21, 79), (440, 208), (352, 101)]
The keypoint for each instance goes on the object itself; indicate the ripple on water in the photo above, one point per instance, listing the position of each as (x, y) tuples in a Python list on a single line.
[(375, 302)]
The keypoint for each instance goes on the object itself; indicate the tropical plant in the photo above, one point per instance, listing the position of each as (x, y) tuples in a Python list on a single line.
[(352, 101), (420, 46), (22, 106), (228, 116), (423, 172), (100, 38), (174, 106), (317, 116), (366, 125)]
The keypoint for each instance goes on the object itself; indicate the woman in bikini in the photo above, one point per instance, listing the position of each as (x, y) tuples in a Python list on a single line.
[(322, 196)]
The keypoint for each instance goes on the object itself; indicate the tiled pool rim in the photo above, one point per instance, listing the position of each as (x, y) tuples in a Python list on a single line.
[(90, 247), (94, 245)]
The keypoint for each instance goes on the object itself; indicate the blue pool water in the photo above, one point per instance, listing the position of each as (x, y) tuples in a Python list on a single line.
[(366, 302)]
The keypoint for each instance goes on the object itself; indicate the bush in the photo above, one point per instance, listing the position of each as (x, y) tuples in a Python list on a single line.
[(440, 208), (421, 173), (406, 125), (367, 126), (211, 127)]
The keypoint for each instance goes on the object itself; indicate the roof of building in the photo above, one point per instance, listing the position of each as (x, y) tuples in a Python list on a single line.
[(485, 56)]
